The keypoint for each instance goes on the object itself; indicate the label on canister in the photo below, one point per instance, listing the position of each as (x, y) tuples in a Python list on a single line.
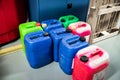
[(100, 75)]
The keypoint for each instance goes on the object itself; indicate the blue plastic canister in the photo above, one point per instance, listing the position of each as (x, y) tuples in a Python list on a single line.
[(51, 24), (38, 49), (68, 48), (57, 35)]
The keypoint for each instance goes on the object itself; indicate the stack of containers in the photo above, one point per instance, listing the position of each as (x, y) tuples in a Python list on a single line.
[(57, 32), (30, 32), (38, 43), (68, 46), (26, 28)]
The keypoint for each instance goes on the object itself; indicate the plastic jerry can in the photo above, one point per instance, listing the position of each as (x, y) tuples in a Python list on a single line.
[(26, 28), (57, 35), (82, 29), (38, 49), (66, 20), (68, 48), (90, 63), (49, 25)]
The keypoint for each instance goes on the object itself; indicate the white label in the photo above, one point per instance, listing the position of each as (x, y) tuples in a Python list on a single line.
[(72, 64), (87, 38), (100, 75)]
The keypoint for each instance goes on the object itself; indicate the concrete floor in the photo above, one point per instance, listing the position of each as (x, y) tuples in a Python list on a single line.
[(14, 66)]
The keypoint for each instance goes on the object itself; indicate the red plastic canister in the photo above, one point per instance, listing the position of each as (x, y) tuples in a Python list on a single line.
[(81, 28), (90, 63)]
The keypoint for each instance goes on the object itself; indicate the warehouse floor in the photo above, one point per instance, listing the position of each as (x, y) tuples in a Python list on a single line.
[(14, 66)]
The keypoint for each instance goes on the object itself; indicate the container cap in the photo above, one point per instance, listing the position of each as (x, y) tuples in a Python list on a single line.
[(68, 31), (84, 58), (44, 25), (82, 39), (38, 24), (62, 20), (46, 34)]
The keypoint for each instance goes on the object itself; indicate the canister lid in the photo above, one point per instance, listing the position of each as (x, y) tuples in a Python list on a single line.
[(46, 34), (84, 58), (38, 24), (62, 20), (82, 39), (68, 31), (44, 25)]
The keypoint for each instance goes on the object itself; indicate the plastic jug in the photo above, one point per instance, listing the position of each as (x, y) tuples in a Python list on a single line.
[(80, 28), (26, 28), (51, 24), (68, 48), (66, 20), (38, 49), (57, 35), (90, 63)]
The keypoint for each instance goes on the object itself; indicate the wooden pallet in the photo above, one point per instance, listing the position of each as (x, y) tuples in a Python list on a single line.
[(103, 16)]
